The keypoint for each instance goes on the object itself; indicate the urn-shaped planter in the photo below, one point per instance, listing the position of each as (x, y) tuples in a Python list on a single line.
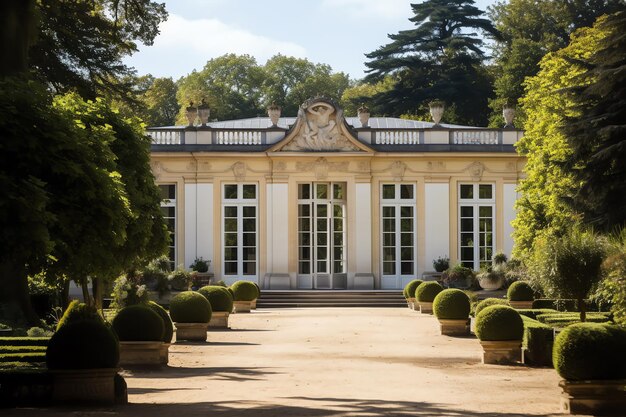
[(363, 113), (191, 113), (273, 111), (203, 113), (436, 108), (508, 113), (490, 282), (141, 353)]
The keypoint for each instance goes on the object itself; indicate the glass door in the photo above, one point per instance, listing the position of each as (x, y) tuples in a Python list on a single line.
[(321, 235)]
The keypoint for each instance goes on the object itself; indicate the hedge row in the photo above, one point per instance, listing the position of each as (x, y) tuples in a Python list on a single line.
[(537, 342), (23, 357), (534, 312), (21, 349), (24, 341), (564, 305), (559, 319)]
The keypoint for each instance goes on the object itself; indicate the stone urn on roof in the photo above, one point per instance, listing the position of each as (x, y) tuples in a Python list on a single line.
[(436, 108), (363, 114), (273, 111)]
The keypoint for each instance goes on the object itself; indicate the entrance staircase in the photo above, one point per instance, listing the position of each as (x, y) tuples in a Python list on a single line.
[(330, 298)]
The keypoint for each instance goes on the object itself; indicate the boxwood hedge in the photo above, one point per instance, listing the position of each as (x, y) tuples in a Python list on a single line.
[(427, 291), (451, 304), (499, 322)]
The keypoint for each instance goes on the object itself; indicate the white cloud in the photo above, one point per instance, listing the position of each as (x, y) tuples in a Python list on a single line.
[(185, 44), (386, 9)]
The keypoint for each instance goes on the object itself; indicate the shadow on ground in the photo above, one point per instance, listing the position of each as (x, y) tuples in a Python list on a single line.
[(217, 373), (315, 407)]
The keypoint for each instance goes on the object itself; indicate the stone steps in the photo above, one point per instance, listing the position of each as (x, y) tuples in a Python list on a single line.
[(330, 298)]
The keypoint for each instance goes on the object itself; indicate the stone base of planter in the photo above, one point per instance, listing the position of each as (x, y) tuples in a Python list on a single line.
[(140, 353), (521, 304), (242, 306), (426, 308), (253, 304), (454, 327), (164, 353), (594, 397), (501, 352), (410, 303), (84, 385), (219, 320), (191, 331)]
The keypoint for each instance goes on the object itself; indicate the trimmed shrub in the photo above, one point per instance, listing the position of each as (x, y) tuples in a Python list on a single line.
[(86, 344), (78, 311), (562, 319), (29, 357), (168, 327), (490, 302), (180, 279), (451, 304), (190, 307), (244, 291), (499, 323), (138, 323), (534, 312), (219, 297), (588, 351), (427, 291), (520, 291), (22, 349), (24, 341), (409, 289), (258, 290), (537, 342)]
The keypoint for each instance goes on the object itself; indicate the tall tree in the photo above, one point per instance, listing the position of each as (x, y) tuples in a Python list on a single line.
[(542, 209), (529, 30), (441, 58), (596, 132)]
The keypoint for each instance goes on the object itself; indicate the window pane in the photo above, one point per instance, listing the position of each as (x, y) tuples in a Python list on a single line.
[(230, 239), (338, 225), (406, 225), (406, 239), (406, 211), (322, 225), (230, 211), (304, 191), (338, 210), (304, 210), (389, 191), (338, 252), (304, 268), (485, 191), (249, 268), (406, 268), (322, 239), (389, 211), (485, 211), (389, 268), (249, 191), (230, 268), (168, 211), (467, 239), (168, 192), (321, 253), (338, 239), (338, 266), (304, 225), (321, 266), (467, 225), (467, 191), (406, 191), (389, 239), (249, 211), (389, 225), (305, 254), (249, 254), (230, 254), (322, 210), (230, 191), (249, 239), (389, 254), (321, 191), (230, 225), (305, 239), (406, 254), (467, 211), (249, 225), (467, 254), (339, 191)]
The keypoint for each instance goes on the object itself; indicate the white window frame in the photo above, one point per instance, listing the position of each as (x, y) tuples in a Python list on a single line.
[(239, 202), (476, 202), (172, 203), (398, 280)]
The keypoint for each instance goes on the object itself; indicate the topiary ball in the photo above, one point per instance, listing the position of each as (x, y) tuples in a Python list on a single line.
[(588, 351), (190, 307), (520, 291), (258, 290), (84, 344), (409, 289), (487, 302), (451, 304), (168, 328), (138, 323), (244, 291), (77, 311), (219, 297), (427, 291), (499, 322)]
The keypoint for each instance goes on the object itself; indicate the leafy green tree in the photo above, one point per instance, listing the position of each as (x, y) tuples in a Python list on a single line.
[(541, 209), (613, 287), (364, 93), (441, 58), (596, 132), (529, 30), (160, 101), (81, 44)]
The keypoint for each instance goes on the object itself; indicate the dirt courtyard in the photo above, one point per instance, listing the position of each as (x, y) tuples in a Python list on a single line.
[(366, 362)]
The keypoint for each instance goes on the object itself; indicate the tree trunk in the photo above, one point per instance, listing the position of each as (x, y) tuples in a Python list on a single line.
[(17, 32), (582, 307), (14, 284), (65, 295), (84, 284), (97, 292)]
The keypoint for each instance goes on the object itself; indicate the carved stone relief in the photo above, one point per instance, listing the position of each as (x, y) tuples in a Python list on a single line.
[(239, 170), (397, 170), (436, 166), (476, 170), (321, 167), (157, 169)]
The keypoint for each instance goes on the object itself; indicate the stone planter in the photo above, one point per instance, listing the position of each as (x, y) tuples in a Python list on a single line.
[(164, 353), (410, 302), (521, 304), (242, 306), (191, 331), (253, 304), (454, 327), (490, 285), (425, 307), (140, 353), (601, 397), (219, 320), (501, 352), (84, 385)]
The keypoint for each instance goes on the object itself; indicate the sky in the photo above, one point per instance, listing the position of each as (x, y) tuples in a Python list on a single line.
[(333, 32)]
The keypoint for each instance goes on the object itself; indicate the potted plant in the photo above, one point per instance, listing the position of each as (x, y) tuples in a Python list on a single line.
[(180, 280), (140, 332), (409, 293), (82, 357), (425, 293), (168, 331), (191, 313), (500, 330), (452, 308), (441, 263), (520, 295), (590, 359), (221, 303), (244, 293), (458, 276), (201, 277)]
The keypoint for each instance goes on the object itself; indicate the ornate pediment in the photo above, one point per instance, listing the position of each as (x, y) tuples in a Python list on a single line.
[(320, 127)]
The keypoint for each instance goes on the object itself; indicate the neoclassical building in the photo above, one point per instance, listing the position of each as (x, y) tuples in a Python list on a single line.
[(325, 201)]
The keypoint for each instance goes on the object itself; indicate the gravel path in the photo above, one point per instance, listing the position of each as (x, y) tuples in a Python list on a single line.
[(331, 362)]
